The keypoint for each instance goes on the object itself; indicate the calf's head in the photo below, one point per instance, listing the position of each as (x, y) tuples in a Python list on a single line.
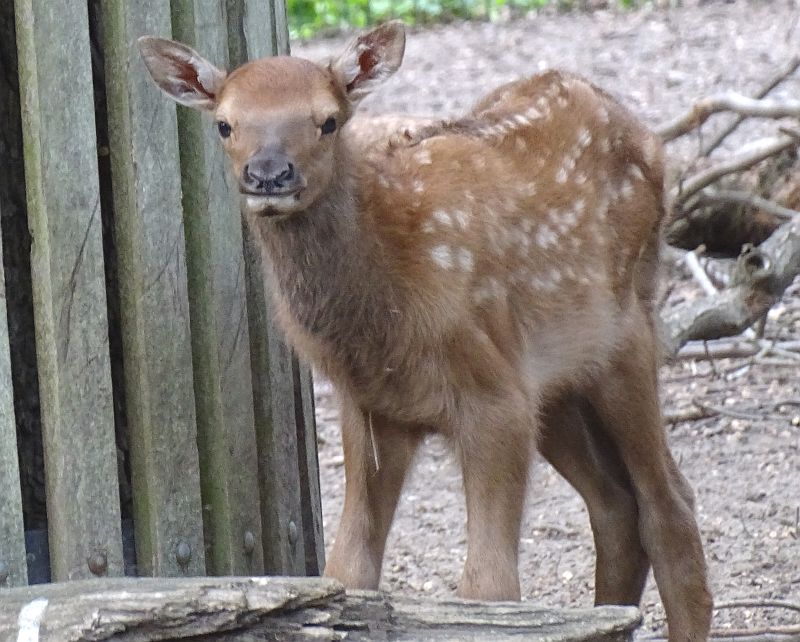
[(278, 118)]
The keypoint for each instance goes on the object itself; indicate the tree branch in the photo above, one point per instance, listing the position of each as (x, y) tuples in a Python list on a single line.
[(762, 274), (704, 108), (756, 152), (771, 84), (739, 197)]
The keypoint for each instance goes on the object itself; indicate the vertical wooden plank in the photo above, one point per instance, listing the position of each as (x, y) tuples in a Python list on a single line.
[(257, 28), (69, 289), (13, 571), (218, 305), (19, 292), (304, 398), (251, 30), (281, 18), (154, 301), (281, 491), (309, 469)]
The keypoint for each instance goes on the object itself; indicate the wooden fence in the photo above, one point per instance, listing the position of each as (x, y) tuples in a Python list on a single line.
[(151, 420)]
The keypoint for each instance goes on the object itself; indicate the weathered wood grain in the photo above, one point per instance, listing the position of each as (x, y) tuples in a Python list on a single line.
[(276, 429), (145, 609), (253, 33), (19, 294), (154, 304), (289, 609), (13, 569), (69, 289), (220, 331), (309, 469)]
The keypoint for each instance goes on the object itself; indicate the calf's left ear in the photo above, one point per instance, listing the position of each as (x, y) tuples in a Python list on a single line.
[(182, 73), (369, 59)]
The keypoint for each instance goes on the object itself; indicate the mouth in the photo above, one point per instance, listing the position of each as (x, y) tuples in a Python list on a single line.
[(268, 205)]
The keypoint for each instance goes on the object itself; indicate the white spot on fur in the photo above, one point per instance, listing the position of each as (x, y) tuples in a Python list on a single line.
[(462, 219), (532, 113), (602, 115), (602, 209), (562, 175), (584, 138), (528, 189), (545, 237), (520, 144), (423, 157), (489, 289), (636, 172), (419, 186), (543, 106), (543, 284), (384, 183), (464, 259), (442, 256), (605, 145), (626, 189), (569, 219), (427, 227), (580, 178), (443, 218)]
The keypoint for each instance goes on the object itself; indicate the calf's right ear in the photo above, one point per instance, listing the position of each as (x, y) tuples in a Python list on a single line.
[(182, 73)]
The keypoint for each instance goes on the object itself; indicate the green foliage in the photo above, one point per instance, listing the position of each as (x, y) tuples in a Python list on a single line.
[(310, 17)]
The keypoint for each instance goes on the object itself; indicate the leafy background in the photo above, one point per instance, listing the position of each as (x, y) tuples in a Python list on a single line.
[(308, 18)]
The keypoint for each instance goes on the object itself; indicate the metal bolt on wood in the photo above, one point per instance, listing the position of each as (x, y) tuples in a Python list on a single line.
[(183, 554), (292, 533), (98, 563), (249, 542)]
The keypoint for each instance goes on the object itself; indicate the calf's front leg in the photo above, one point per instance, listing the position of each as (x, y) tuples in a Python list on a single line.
[(493, 445), (374, 475)]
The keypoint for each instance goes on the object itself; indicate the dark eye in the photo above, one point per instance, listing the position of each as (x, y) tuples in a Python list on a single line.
[(224, 128), (329, 126)]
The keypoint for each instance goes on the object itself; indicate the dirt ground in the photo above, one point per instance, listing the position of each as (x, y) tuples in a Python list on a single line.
[(744, 462)]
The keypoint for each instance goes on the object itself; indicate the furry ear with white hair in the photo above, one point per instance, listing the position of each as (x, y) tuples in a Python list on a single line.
[(369, 59), (182, 73)]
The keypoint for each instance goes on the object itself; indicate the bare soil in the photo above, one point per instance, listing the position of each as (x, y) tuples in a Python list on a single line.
[(744, 461)]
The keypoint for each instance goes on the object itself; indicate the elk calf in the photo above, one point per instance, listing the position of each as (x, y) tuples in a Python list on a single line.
[(488, 278)]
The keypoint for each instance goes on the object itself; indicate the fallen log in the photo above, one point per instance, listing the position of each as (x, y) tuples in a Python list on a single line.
[(761, 276), (206, 609)]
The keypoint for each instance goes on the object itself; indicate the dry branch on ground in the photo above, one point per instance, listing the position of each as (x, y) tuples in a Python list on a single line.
[(726, 207)]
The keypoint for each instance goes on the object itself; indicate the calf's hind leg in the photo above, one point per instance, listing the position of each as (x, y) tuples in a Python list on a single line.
[(573, 442), (626, 401)]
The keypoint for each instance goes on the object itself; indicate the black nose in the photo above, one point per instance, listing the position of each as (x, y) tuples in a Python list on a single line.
[(269, 174)]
